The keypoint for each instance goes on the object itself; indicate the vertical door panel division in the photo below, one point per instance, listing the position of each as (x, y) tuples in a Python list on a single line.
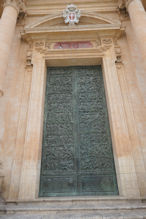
[(77, 157)]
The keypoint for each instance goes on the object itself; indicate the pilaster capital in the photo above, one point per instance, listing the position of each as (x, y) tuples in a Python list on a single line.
[(128, 3), (124, 3), (19, 5)]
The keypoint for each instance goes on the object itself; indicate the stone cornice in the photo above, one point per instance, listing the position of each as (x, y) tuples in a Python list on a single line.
[(19, 5)]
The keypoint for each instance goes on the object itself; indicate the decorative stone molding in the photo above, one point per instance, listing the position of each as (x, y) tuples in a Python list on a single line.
[(122, 8), (45, 47), (19, 5), (29, 64), (123, 4), (128, 3), (118, 54), (106, 43), (29, 59)]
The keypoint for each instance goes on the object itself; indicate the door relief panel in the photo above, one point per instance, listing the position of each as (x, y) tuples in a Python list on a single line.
[(77, 157)]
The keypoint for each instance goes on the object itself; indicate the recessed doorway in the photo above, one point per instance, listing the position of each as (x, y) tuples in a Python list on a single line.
[(77, 156)]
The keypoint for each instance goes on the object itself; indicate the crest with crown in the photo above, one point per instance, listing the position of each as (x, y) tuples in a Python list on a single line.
[(71, 14)]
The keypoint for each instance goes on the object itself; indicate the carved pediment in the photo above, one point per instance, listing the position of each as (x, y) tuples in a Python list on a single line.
[(58, 20), (93, 23)]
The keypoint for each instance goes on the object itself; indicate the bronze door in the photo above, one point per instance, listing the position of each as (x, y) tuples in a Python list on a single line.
[(77, 157)]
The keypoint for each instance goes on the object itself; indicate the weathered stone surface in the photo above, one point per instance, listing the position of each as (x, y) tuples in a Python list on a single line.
[(73, 208), (21, 111)]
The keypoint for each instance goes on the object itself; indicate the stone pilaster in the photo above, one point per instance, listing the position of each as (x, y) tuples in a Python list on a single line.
[(137, 16), (138, 19), (11, 10)]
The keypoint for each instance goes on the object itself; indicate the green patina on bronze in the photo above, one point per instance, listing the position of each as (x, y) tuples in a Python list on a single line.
[(77, 157)]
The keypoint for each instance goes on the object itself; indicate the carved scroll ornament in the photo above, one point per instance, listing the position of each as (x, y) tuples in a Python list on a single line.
[(44, 47)]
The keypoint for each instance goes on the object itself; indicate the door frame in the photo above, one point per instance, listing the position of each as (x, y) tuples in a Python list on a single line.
[(122, 146)]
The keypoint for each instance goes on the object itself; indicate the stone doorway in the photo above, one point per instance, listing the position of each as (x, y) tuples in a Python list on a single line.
[(77, 157)]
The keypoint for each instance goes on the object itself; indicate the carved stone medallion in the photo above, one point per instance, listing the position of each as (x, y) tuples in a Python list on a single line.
[(71, 15)]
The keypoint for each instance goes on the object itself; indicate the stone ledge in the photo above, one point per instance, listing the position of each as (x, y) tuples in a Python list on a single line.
[(91, 208)]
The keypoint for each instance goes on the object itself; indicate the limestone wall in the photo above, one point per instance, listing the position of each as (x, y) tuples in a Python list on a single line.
[(21, 111)]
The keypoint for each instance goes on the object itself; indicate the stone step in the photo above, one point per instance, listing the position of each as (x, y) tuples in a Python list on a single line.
[(58, 208)]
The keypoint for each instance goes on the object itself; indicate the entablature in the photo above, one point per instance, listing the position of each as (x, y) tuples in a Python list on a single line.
[(89, 24), (43, 7)]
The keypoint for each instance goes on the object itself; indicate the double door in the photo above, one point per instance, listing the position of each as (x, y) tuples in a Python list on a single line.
[(77, 157)]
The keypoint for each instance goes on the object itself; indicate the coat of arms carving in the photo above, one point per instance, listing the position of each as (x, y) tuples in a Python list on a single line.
[(71, 14)]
